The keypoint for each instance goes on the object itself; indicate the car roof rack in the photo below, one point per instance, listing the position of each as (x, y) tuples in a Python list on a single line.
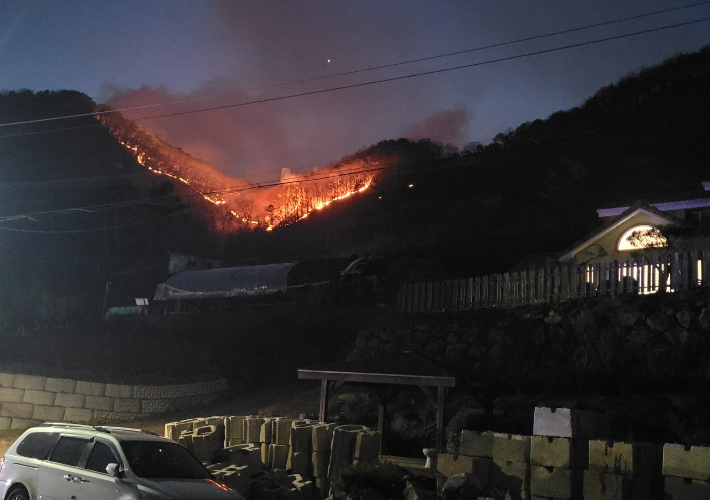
[(99, 428)]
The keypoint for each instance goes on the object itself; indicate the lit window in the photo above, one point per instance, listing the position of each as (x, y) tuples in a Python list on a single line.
[(642, 236)]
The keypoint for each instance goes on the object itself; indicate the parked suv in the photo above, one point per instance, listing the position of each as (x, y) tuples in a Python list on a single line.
[(82, 462)]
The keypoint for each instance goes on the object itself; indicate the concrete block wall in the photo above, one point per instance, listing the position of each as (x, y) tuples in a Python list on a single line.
[(27, 400)]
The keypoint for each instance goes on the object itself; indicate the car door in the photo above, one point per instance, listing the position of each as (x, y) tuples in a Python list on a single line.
[(56, 475), (92, 482)]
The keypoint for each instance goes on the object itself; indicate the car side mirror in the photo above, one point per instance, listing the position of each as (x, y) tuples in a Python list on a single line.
[(114, 470)]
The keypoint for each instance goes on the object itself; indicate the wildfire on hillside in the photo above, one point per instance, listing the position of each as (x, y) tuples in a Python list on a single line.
[(248, 206)]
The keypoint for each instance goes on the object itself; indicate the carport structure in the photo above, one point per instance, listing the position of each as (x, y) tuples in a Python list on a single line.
[(378, 373)]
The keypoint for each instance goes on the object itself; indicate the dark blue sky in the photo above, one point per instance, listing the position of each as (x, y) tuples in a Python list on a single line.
[(231, 51)]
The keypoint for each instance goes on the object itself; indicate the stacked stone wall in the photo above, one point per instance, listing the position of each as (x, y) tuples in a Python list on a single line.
[(27, 400)]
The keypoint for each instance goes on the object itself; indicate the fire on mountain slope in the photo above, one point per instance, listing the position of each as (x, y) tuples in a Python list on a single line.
[(240, 204)]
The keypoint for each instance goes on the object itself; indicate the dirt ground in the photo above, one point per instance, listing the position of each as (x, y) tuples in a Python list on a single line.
[(286, 400)]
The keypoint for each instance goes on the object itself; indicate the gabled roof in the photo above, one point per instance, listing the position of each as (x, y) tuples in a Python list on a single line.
[(612, 224)]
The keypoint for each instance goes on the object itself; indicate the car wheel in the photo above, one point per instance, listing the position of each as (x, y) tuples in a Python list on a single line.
[(18, 493)]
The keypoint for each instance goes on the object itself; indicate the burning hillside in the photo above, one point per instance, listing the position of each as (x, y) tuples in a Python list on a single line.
[(240, 204)]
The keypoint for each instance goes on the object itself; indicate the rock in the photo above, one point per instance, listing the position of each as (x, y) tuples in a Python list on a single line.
[(422, 328), (627, 317), (469, 334), (420, 338), (553, 318), (538, 337), (704, 318), (495, 336), (684, 318), (452, 338), (658, 322), (387, 335), (455, 351)]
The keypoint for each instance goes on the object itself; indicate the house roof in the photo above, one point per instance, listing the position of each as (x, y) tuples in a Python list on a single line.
[(226, 282), (615, 222)]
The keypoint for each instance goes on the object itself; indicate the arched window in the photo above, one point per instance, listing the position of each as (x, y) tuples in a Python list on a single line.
[(640, 237)]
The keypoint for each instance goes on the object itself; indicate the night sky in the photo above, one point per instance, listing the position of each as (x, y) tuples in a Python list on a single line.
[(138, 52)]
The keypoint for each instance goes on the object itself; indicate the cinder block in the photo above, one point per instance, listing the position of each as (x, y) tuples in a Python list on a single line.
[(206, 442), (252, 429), (32, 382), (563, 422), (90, 388), (39, 397), (302, 486), (319, 461), (322, 437), (511, 448), (477, 444), (48, 413), (690, 462), (265, 456), (78, 415), (98, 403), (267, 431), (563, 453), (23, 423), (245, 455), (301, 438), (625, 458), (70, 400), (343, 447), (282, 431), (367, 445), (234, 476), (11, 395), (118, 391), (279, 455), (677, 488), (60, 385), (512, 476), (321, 486), (7, 380), (599, 485), (174, 429), (17, 410), (450, 465), (127, 405), (555, 483), (234, 427)]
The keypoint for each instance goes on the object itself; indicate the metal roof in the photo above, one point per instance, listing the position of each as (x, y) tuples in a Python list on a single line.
[(225, 282)]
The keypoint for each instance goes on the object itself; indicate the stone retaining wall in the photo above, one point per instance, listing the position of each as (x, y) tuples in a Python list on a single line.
[(27, 400)]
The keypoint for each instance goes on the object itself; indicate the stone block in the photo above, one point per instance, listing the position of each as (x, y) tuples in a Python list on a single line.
[(11, 395), (16, 410), (70, 400), (60, 385), (282, 431), (234, 476), (7, 379), (513, 476), (39, 397), (267, 431), (279, 455), (319, 463), (321, 486), (48, 413), (5, 423), (511, 448), (252, 429), (32, 382), (155, 405), (563, 453), (625, 458), (322, 437), (301, 438), (368, 445), (555, 482), (90, 388), (477, 444), (301, 463), (600, 485), (98, 403), (23, 423), (118, 391), (126, 405), (234, 427), (174, 429), (245, 455), (78, 415), (691, 462), (564, 422), (677, 488), (450, 465), (206, 442), (265, 456)]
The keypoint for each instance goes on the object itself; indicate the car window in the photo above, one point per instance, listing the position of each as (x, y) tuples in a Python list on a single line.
[(160, 459), (101, 455), (37, 444), (68, 450)]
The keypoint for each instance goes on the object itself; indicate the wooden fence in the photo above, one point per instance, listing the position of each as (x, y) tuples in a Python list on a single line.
[(679, 270)]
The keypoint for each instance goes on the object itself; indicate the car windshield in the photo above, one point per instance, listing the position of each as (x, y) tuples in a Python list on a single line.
[(162, 460)]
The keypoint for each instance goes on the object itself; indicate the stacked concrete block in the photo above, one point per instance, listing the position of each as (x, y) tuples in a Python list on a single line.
[(321, 440), (686, 471), (475, 457), (511, 464), (342, 450), (252, 430), (205, 441), (367, 446), (233, 431), (240, 465), (622, 471), (559, 450), (300, 460), (282, 487)]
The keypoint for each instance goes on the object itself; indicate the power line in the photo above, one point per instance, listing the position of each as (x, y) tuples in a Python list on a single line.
[(391, 65)]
